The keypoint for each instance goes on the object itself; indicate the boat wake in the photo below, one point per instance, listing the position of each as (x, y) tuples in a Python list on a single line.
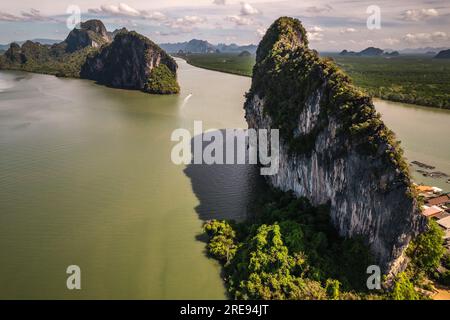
[(186, 100)]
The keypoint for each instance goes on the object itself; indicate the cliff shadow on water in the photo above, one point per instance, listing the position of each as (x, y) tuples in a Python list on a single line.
[(225, 191)]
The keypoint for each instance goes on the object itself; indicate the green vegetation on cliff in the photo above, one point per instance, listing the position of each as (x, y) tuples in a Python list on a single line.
[(162, 81), (62, 59), (288, 74), (91, 33), (34, 57), (429, 258), (131, 61), (289, 250)]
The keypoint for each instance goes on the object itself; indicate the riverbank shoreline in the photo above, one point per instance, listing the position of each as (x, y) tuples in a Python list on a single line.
[(249, 75), (211, 68)]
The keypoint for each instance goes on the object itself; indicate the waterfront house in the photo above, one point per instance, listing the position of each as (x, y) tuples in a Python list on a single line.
[(439, 201), (424, 189), (432, 212), (445, 224), (428, 191)]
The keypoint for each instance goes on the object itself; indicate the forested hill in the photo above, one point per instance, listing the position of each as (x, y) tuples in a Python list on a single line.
[(120, 59)]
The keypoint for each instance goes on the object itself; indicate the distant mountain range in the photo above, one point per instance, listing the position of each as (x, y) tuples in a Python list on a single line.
[(370, 52), (202, 46), (439, 53), (41, 41), (425, 50), (444, 54)]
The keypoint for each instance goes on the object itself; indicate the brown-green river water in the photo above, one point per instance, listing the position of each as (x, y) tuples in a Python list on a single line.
[(86, 179)]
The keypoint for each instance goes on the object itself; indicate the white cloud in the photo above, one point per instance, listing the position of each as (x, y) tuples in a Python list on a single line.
[(261, 32), (315, 29), (34, 15), (418, 15), (348, 30), (247, 9), (239, 20), (191, 20), (414, 38), (391, 41), (314, 33), (185, 24), (318, 9), (154, 15), (219, 2), (9, 17), (31, 15), (315, 36), (124, 10)]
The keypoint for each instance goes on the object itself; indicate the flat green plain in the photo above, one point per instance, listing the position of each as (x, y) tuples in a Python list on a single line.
[(419, 80)]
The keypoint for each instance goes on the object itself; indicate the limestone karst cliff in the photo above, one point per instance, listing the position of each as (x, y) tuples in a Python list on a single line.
[(62, 59), (120, 59), (132, 61), (91, 33), (334, 147)]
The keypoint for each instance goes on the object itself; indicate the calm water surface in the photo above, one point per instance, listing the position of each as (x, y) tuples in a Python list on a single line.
[(86, 179), (424, 133)]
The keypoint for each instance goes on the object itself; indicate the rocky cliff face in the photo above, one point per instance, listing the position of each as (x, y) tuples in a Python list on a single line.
[(64, 58), (91, 33), (334, 147), (119, 59), (29, 53), (14, 54), (132, 61)]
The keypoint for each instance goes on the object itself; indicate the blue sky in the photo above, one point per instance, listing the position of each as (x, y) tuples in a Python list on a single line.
[(332, 24)]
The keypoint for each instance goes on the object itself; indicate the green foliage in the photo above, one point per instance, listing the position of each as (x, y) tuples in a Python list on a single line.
[(289, 76), (289, 251), (223, 62), (332, 288), (34, 57), (411, 79), (307, 229), (162, 81), (444, 278), (284, 34), (265, 270), (404, 289), (219, 228), (58, 60), (427, 249), (221, 243), (446, 260)]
